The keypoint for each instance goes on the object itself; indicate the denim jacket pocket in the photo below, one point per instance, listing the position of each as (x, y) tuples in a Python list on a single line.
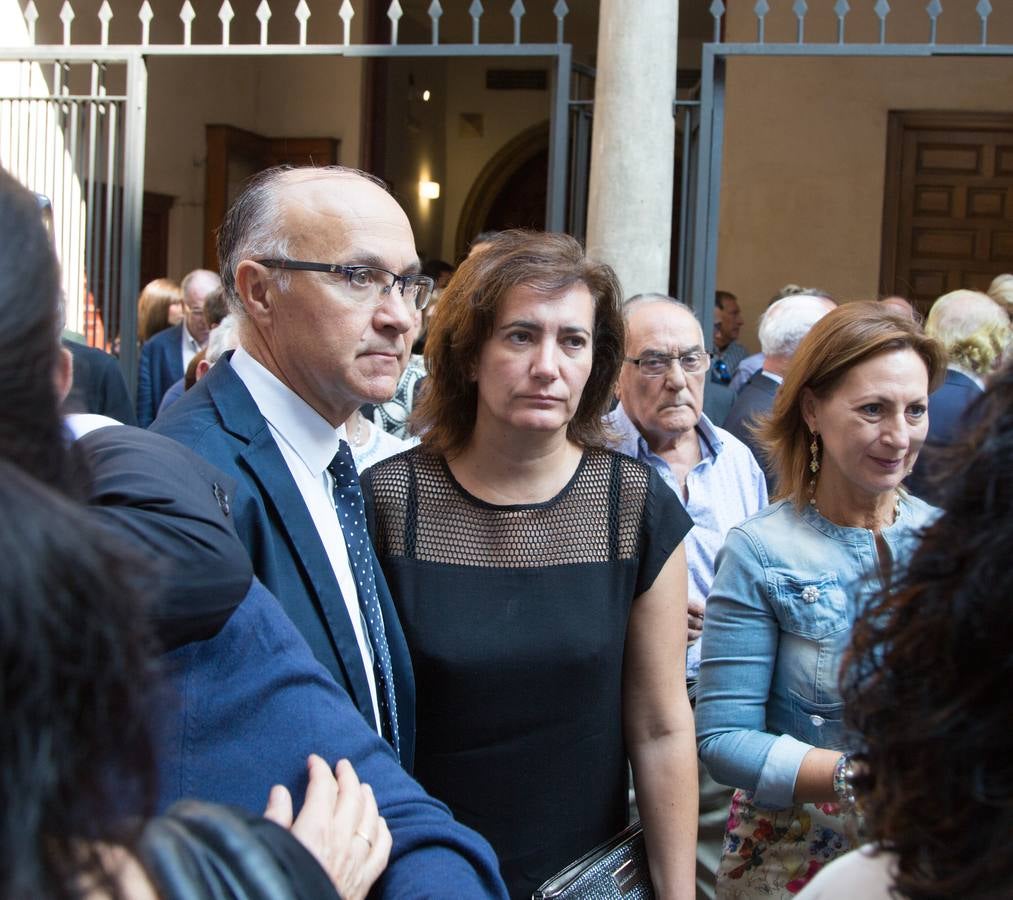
[(813, 608), (819, 724)]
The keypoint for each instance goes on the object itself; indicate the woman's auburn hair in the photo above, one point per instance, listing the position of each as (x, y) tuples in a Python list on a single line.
[(842, 339), (153, 306), (465, 317)]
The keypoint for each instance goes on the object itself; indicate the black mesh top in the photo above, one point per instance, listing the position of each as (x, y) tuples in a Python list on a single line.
[(516, 620)]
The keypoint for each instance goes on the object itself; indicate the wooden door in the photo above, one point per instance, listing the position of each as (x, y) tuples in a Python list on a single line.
[(948, 214), (234, 155)]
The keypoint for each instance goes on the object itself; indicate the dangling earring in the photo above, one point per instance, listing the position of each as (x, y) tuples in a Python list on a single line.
[(814, 467)]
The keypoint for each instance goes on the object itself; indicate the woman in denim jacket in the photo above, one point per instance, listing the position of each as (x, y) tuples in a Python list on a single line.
[(845, 430)]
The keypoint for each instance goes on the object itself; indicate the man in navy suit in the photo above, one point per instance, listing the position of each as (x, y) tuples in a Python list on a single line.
[(246, 701), (98, 385), (165, 356), (974, 330), (782, 327), (251, 701), (320, 266)]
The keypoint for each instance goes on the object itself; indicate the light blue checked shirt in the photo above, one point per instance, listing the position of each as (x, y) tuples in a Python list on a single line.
[(724, 488)]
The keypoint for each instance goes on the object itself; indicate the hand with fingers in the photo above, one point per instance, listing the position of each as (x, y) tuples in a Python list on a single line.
[(695, 609), (339, 824)]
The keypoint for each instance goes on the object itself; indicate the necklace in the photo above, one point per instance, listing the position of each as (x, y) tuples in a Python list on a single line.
[(357, 434), (896, 507)]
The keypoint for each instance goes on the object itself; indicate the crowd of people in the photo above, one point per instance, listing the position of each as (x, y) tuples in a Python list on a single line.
[(411, 568)]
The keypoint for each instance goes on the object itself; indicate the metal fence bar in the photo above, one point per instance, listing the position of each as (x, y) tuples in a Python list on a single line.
[(109, 226), (708, 188), (78, 247), (689, 112), (69, 246), (90, 244), (580, 161), (559, 124), (123, 52), (136, 113)]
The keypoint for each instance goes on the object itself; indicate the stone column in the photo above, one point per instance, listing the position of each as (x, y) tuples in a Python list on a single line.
[(633, 148)]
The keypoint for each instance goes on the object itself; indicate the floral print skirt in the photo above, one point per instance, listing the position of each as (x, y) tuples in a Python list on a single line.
[(776, 852)]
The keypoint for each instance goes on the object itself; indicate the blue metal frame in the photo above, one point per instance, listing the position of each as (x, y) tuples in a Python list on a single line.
[(702, 209)]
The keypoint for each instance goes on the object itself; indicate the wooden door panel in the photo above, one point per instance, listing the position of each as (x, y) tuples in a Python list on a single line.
[(948, 205), (233, 155)]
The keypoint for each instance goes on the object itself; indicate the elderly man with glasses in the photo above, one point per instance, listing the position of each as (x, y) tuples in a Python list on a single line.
[(319, 265), (660, 421)]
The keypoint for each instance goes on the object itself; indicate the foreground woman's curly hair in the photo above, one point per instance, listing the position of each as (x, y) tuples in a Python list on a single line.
[(928, 680)]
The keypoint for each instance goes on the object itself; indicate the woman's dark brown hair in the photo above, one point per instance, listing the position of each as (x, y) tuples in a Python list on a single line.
[(838, 342), (464, 319), (926, 684)]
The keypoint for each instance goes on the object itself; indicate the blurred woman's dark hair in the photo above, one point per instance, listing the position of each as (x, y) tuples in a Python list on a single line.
[(76, 756), (31, 428), (926, 683), (550, 264)]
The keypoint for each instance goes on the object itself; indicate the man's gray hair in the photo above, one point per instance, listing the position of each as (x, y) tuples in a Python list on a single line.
[(196, 274), (785, 322), (222, 339), (639, 299), (251, 228), (974, 329)]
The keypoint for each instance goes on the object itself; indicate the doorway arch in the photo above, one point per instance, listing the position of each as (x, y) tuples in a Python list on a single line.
[(510, 191)]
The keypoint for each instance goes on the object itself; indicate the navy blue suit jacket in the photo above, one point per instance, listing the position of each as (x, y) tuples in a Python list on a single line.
[(245, 701), (161, 366), (219, 421), (756, 398), (98, 385), (947, 406)]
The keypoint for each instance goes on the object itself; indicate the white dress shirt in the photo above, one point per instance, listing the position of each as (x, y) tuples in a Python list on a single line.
[(308, 444), (191, 346)]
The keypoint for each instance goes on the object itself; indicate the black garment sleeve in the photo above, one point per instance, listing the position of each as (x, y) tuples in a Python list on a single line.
[(665, 524), (201, 851)]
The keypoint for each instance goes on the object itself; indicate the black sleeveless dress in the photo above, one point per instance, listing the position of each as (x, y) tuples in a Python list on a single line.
[(516, 621)]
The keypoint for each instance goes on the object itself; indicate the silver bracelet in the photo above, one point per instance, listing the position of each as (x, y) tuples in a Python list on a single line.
[(843, 782)]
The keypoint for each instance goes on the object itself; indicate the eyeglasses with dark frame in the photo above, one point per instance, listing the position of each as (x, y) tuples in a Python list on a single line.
[(654, 365), (367, 283)]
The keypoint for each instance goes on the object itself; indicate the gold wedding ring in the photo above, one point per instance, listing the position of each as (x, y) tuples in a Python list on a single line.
[(366, 839)]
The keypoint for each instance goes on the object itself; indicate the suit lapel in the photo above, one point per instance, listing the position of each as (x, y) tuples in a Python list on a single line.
[(172, 357), (241, 417)]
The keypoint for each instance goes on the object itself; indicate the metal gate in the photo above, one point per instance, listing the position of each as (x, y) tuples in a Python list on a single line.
[(79, 138), (65, 130), (700, 204)]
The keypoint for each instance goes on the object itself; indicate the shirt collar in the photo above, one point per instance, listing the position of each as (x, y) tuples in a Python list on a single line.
[(632, 442), (778, 378), (301, 427), (967, 373), (189, 339)]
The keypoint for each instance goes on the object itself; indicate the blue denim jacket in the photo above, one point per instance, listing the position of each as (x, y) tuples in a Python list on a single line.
[(778, 621)]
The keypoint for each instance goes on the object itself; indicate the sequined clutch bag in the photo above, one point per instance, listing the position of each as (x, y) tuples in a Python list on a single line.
[(614, 870)]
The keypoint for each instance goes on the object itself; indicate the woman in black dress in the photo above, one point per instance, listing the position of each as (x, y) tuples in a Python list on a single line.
[(539, 577)]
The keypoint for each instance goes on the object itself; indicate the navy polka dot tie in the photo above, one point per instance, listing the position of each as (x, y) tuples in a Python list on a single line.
[(352, 519)]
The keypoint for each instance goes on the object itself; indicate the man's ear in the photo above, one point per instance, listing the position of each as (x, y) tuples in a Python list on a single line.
[(203, 367), (63, 377), (253, 285)]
